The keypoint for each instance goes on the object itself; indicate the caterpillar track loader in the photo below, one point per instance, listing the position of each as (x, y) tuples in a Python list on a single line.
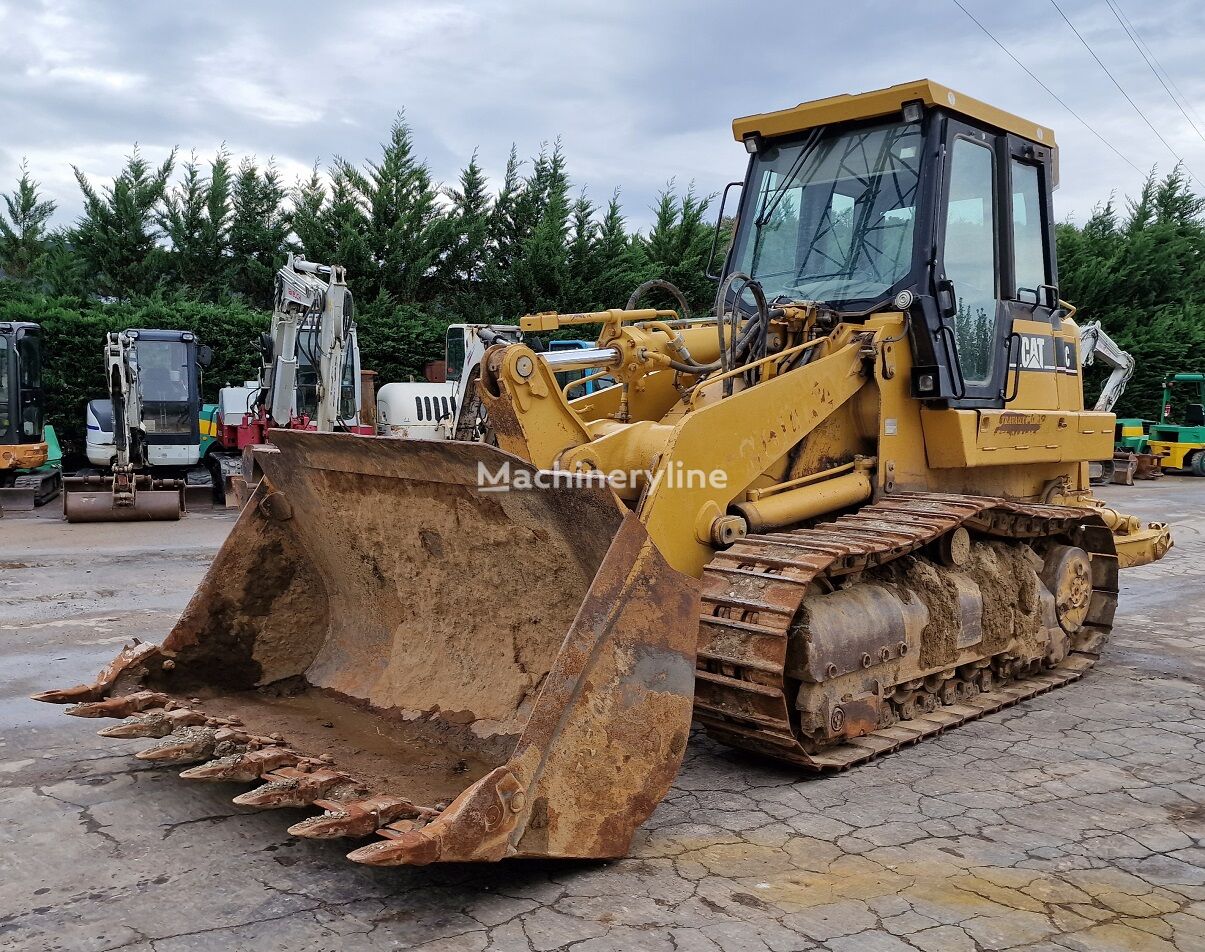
[(845, 512)]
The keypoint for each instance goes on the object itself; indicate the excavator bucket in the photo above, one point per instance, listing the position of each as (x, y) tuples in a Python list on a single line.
[(91, 499), (463, 673)]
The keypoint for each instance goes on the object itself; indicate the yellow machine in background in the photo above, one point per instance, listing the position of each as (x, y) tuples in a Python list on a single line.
[(844, 512)]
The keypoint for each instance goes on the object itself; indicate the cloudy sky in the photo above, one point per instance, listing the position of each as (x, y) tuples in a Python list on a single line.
[(640, 91)]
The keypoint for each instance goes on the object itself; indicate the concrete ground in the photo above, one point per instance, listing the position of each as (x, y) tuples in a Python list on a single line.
[(1076, 821)]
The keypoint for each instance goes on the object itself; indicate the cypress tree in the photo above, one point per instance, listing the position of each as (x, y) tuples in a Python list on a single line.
[(259, 231), (23, 227), (117, 237)]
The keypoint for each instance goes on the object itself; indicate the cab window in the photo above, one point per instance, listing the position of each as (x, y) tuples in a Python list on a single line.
[(29, 355), (454, 353), (1029, 245), (971, 255)]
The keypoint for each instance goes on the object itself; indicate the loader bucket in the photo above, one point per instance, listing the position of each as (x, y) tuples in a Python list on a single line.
[(467, 674), (17, 498), (200, 497), (90, 499)]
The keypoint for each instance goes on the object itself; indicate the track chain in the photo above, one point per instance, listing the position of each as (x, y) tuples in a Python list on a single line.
[(753, 592)]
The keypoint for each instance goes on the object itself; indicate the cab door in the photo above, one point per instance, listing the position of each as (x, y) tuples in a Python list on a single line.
[(31, 412), (1044, 360), (969, 286)]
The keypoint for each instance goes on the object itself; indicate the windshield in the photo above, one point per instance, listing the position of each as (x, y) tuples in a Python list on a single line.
[(308, 357), (163, 370), (831, 217)]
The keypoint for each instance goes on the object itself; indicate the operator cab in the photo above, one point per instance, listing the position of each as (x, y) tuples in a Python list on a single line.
[(308, 352), (916, 199), (22, 407)]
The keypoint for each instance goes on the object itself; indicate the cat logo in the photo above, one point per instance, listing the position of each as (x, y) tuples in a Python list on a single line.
[(1044, 353), (1033, 352)]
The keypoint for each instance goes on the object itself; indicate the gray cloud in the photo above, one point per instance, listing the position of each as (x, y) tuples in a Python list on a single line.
[(640, 92)]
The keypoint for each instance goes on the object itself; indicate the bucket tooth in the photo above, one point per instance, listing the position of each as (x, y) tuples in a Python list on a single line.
[(155, 724), (188, 745), (357, 817), (122, 706), (129, 657), (150, 724), (415, 848), (292, 787), (244, 767)]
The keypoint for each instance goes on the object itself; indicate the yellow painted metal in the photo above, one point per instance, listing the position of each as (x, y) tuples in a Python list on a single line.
[(753, 364), (805, 502), (552, 321), (23, 455), (1136, 544), (570, 700), (851, 399), (1174, 455), (773, 490), (886, 102), (957, 439)]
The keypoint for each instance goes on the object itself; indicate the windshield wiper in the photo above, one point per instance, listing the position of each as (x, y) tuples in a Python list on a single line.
[(796, 167)]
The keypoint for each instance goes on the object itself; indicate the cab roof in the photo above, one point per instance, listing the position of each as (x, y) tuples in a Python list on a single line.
[(145, 333), (12, 327), (885, 102)]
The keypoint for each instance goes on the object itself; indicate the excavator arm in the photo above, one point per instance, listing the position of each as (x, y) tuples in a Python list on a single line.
[(315, 295), (1095, 343)]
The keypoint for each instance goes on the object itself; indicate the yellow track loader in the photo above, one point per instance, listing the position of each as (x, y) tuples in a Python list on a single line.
[(845, 512)]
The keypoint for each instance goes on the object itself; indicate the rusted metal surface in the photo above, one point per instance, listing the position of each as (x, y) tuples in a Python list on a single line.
[(93, 499), (754, 593), (474, 675)]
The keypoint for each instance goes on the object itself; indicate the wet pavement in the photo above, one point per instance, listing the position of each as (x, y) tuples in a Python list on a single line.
[(1076, 821)]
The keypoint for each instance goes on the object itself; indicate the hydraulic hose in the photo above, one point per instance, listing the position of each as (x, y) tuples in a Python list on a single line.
[(659, 284)]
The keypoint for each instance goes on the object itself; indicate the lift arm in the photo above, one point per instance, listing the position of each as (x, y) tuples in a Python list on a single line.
[(1093, 343)]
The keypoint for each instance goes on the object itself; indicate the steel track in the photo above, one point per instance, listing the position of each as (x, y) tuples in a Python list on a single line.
[(753, 593)]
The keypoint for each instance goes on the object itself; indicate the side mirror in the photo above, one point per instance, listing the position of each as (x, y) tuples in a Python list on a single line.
[(204, 355), (719, 224)]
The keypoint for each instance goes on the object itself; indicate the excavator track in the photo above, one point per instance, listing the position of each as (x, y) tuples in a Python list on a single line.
[(754, 592)]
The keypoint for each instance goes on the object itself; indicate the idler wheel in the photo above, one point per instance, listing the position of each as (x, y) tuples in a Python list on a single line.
[(1067, 573)]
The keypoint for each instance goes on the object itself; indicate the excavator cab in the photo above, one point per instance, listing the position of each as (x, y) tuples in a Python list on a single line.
[(308, 349), (26, 479), (846, 511)]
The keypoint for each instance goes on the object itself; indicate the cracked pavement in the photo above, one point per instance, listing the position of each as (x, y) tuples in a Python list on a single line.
[(1073, 822)]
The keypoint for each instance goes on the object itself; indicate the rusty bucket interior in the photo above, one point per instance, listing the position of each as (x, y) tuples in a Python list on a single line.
[(509, 673)]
